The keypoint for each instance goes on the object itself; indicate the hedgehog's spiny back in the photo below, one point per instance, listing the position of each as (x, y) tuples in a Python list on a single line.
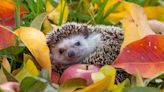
[(106, 52), (63, 32), (112, 38)]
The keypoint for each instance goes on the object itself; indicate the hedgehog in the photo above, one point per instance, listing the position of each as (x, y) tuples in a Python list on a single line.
[(87, 44)]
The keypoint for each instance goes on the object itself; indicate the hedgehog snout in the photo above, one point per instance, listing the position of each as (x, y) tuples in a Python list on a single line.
[(71, 53)]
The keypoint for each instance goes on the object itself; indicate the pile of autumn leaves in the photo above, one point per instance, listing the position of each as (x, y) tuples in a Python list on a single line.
[(141, 52)]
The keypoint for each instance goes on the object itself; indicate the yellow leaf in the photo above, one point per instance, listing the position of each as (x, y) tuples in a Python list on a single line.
[(49, 6), (110, 3), (111, 73), (26, 57), (139, 80), (54, 16), (29, 69), (118, 88), (104, 80), (153, 12), (99, 86), (16, 71), (97, 76), (35, 41), (135, 24), (116, 17), (32, 69), (47, 26), (161, 17), (118, 14)]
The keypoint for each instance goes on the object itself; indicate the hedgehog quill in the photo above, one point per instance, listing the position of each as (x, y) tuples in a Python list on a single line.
[(82, 43), (74, 43)]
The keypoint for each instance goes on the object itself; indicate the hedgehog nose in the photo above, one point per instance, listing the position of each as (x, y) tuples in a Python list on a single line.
[(71, 53)]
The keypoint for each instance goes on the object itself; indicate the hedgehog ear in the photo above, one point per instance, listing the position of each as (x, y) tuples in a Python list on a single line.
[(84, 31)]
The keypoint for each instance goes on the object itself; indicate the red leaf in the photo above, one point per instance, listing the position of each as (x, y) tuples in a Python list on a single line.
[(145, 55), (7, 13), (7, 38)]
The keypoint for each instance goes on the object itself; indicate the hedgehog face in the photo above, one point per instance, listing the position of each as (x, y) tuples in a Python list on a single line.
[(70, 50)]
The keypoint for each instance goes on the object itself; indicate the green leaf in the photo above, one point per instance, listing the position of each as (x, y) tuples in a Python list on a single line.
[(30, 84), (1, 90), (31, 5), (12, 50), (17, 13), (62, 12), (84, 16), (120, 87), (45, 74), (139, 2), (141, 89), (38, 21), (133, 81), (152, 2), (100, 12), (38, 86), (126, 83), (139, 81), (161, 2), (81, 16), (28, 69), (26, 84), (153, 80), (40, 6), (78, 8), (72, 84)]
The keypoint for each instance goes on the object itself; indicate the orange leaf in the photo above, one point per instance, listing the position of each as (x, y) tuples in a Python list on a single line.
[(7, 13), (7, 38), (145, 55), (35, 41), (135, 24)]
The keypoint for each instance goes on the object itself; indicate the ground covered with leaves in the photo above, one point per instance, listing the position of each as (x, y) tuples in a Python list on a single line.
[(25, 58)]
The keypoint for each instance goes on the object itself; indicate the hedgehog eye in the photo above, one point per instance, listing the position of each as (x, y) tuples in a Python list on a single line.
[(61, 51), (77, 43)]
